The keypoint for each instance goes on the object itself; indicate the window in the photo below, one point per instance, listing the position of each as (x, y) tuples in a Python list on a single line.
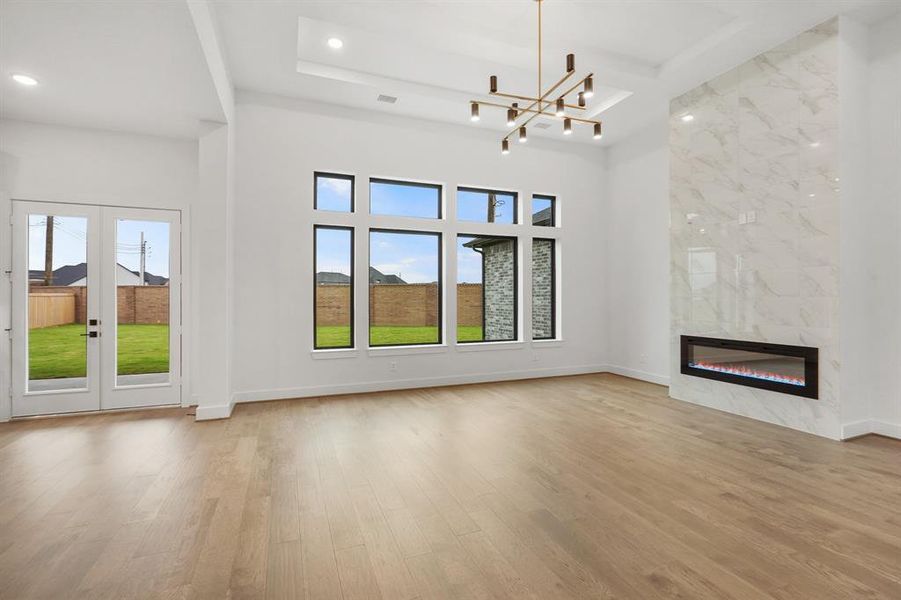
[(543, 211), (404, 199), (486, 206), (544, 289), (332, 191), (486, 289), (333, 284), (404, 288)]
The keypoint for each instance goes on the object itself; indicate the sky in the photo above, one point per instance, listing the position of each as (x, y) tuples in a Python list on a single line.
[(70, 240)]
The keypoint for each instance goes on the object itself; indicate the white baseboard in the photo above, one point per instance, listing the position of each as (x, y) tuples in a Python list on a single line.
[(859, 428), (405, 384), (856, 429), (636, 374), (209, 413)]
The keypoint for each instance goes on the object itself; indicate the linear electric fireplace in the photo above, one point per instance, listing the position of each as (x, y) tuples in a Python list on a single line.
[(774, 367)]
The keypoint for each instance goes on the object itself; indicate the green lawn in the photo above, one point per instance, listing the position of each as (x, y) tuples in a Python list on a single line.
[(332, 337), (59, 351)]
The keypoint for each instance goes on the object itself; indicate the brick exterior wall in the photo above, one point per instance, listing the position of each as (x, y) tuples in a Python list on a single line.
[(412, 305), (148, 304), (499, 278), (542, 288)]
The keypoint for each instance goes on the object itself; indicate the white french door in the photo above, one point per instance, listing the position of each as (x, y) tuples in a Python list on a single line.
[(96, 319)]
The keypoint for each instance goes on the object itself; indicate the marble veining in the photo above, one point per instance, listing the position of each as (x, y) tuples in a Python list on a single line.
[(754, 221)]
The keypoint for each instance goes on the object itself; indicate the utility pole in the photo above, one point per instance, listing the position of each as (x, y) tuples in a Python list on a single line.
[(48, 252), (143, 257), (492, 205)]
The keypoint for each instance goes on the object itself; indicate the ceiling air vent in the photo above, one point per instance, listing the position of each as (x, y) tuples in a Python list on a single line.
[(387, 99), (542, 125)]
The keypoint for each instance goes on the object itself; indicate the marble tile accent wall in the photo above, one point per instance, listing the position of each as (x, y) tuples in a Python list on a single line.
[(754, 188)]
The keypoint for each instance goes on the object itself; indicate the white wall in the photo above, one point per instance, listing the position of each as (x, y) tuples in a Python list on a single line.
[(279, 146), (884, 193), (64, 164), (636, 226)]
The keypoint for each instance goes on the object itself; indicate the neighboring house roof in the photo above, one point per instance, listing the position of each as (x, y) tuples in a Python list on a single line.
[(69, 274), (543, 216), (482, 242), (375, 276)]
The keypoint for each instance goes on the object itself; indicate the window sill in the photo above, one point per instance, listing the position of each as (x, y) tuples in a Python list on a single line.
[(547, 343), (407, 350), (323, 354), (482, 346)]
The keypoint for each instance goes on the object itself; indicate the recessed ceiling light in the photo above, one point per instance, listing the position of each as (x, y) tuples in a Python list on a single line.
[(688, 118), (814, 144), (335, 43), (24, 79)]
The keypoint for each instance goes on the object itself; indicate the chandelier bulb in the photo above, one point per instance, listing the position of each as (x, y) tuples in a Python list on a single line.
[(597, 131), (582, 99), (523, 137), (493, 84), (511, 117), (505, 146), (560, 109), (474, 112), (567, 126), (589, 87)]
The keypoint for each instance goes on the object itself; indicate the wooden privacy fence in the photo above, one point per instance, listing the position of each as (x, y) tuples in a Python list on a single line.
[(48, 309), (411, 305)]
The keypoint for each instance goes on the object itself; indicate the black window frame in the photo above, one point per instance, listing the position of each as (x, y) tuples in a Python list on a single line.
[(419, 184), (515, 337), (553, 242), (440, 237), (353, 306), (466, 188), (553, 200), (330, 175)]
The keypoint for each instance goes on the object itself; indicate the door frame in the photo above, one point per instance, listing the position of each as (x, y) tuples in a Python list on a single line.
[(188, 398)]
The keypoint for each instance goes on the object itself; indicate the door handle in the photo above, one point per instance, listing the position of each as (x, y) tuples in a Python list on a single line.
[(92, 334)]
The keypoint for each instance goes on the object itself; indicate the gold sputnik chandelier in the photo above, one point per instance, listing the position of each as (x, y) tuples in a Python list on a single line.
[(552, 104)]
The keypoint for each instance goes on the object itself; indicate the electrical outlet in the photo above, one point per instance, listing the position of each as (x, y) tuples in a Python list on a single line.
[(392, 366), (752, 216), (643, 359)]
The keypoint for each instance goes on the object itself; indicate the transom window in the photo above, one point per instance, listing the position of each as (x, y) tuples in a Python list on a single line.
[(486, 206), (404, 199), (333, 191)]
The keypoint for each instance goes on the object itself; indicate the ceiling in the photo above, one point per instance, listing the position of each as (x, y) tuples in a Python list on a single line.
[(434, 56), (129, 65), (137, 65)]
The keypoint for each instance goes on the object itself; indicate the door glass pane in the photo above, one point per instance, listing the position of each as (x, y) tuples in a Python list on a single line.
[(142, 302), (333, 310), (57, 302)]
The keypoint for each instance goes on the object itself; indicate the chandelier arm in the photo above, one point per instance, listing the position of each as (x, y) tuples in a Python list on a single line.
[(529, 98), (542, 112)]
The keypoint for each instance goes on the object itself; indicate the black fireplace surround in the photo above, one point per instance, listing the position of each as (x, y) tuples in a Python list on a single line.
[(775, 367)]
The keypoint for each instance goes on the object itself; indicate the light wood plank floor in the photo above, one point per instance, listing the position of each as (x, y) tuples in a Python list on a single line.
[(593, 486)]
